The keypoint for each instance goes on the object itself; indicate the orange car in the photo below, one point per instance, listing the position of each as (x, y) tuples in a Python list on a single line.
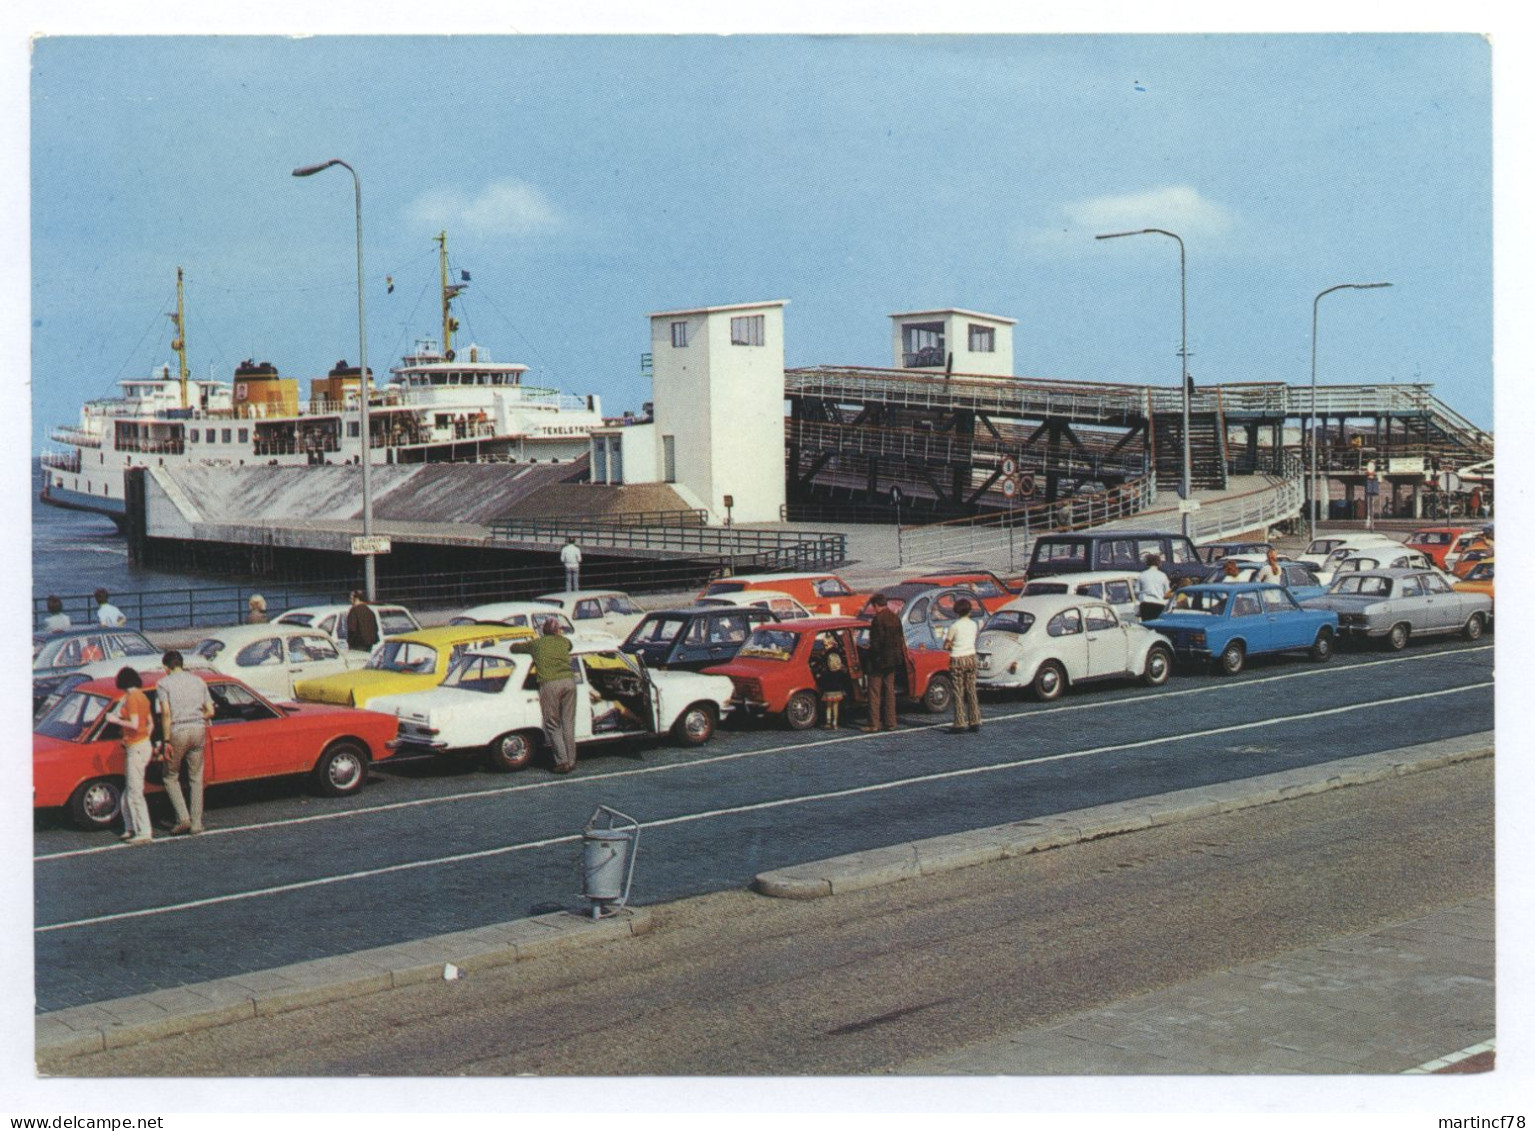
[(824, 594), (1478, 579), (989, 589), (1472, 556), (1436, 541), (1463, 545)]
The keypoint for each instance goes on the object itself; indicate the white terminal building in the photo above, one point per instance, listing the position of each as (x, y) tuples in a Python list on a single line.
[(717, 436)]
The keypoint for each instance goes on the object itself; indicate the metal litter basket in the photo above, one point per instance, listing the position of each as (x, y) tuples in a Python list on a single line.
[(608, 852)]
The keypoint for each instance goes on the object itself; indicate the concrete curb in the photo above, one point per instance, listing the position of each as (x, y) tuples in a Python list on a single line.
[(86, 1029), (859, 870)]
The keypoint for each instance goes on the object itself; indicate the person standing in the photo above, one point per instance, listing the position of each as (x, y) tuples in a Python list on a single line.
[(887, 655), (959, 642), (185, 708), (1269, 573), (108, 615), (57, 619), (571, 557), (257, 610), (556, 692), (1154, 588), (132, 714), (361, 624)]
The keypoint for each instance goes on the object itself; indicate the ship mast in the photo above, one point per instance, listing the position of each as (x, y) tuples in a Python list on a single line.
[(179, 342), (449, 293)]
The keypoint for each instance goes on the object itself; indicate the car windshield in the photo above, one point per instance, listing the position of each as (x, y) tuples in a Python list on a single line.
[(658, 630), (769, 644), (303, 620), (1322, 546), (1211, 601), (404, 656), (61, 651), (479, 672), (1362, 586), (1430, 538), (72, 716), (396, 622), (1015, 621)]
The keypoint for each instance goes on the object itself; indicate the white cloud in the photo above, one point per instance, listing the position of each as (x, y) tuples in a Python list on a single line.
[(1178, 208), (505, 208)]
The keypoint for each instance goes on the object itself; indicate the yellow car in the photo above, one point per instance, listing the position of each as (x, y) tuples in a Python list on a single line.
[(416, 661), (1478, 579)]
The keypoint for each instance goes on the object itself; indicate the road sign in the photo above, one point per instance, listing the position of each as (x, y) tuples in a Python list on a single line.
[(1188, 506), (363, 544), (1026, 484), (1009, 465), (1009, 487), (896, 495)]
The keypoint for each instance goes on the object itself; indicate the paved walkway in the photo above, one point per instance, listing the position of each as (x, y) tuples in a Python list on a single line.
[(1414, 997)]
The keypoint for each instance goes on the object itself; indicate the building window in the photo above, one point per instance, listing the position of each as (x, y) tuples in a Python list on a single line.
[(983, 339), (669, 458), (922, 344), (679, 335), (600, 459), (195, 433), (245, 435), (616, 459), (353, 429), (746, 330), (226, 435)]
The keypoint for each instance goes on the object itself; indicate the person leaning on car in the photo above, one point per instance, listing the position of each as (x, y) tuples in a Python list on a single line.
[(185, 708), (556, 692), (887, 655), (1154, 588)]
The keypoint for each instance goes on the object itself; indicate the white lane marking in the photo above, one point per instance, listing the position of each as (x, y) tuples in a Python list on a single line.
[(757, 806), (1444, 1062), (470, 795)]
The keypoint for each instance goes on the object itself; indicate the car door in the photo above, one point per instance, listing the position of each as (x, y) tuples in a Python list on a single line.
[(263, 665), (1121, 595), (1108, 645), (941, 616), (311, 654), (1442, 603), (1289, 626), (1068, 642), (1249, 621), (1409, 601), (919, 634), (248, 738)]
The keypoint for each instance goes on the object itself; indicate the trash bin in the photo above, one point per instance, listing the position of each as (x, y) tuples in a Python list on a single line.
[(608, 852)]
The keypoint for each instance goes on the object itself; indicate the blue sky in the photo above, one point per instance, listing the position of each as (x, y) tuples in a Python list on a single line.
[(586, 181)]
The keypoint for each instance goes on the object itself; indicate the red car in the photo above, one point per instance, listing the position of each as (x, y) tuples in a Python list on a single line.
[(1436, 541), (775, 671), (992, 591), (78, 760), (824, 594)]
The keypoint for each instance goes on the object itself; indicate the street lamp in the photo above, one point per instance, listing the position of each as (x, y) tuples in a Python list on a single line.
[(369, 585), (1311, 416), (1186, 490)]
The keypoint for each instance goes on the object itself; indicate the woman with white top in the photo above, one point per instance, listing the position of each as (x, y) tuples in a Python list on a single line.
[(960, 644)]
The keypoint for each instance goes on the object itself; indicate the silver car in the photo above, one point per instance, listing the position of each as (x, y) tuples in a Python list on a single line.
[(1393, 605)]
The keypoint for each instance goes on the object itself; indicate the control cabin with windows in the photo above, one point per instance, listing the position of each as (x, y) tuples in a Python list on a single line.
[(980, 344)]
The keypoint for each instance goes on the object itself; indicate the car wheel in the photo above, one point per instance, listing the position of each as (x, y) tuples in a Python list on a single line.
[(95, 804), (1474, 627), (1159, 667), (695, 726), (800, 711), (511, 751), (1049, 681), (939, 696), (342, 769), (1322, 647), (1233, 658), (1396, 639)]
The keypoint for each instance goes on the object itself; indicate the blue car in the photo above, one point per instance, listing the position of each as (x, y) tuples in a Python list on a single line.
[(1226, 623)]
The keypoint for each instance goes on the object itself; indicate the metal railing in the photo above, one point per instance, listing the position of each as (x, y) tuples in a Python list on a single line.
[(1080, 400), (731, 546), (519, 529)]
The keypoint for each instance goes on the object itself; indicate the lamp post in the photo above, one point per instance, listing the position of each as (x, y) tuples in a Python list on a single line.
[(1183, 353), (369, 585), (1311, 414)]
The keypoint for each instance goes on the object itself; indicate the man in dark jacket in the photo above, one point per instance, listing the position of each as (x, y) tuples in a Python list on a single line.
[(361, 624), (887, 655)]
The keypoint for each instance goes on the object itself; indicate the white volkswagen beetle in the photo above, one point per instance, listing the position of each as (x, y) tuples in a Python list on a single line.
[(489, 702), (1047, 643)]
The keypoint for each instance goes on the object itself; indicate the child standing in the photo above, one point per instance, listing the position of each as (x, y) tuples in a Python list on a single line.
[(834, 687)]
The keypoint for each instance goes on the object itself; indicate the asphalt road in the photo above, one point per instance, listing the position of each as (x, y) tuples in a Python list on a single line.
[(738, 984), (433, 846)]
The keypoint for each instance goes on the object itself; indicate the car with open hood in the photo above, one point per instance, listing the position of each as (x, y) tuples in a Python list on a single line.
[(415, 661)]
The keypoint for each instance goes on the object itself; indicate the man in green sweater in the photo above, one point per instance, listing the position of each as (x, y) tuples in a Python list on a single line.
[(556, 692)]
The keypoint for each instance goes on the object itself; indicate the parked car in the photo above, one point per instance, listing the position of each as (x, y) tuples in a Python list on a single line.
[(1478, 579), (776, 672), (47, 692), (824, 594), (532, 615), (78, 761), (1298, 578), (271, 658), (1322, 548), (781, 605), (991, 589), (1479, 552), (1050, 643), (1471, 540), (489, 703), (695, 637), (1214, 552), (1120, 591), (1379, 557), (393, 620), (1394, 605), (1436, 541), (594, 610), (926, 612), (413, 662), (1228, 623), (90, 652), (1118, 551)]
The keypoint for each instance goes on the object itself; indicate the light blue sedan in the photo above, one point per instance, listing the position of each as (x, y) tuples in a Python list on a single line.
[(1228, 622)]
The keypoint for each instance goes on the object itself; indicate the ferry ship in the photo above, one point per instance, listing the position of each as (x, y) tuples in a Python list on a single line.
[(440, 404)]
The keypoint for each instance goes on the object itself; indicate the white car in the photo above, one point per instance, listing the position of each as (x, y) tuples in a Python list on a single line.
[(270, 657), (606, 610), (1121, 590), (489, 702), (1378, 557), (393, 620), (1048, 643), (781, 605), (533, 614), (1321, 549)]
